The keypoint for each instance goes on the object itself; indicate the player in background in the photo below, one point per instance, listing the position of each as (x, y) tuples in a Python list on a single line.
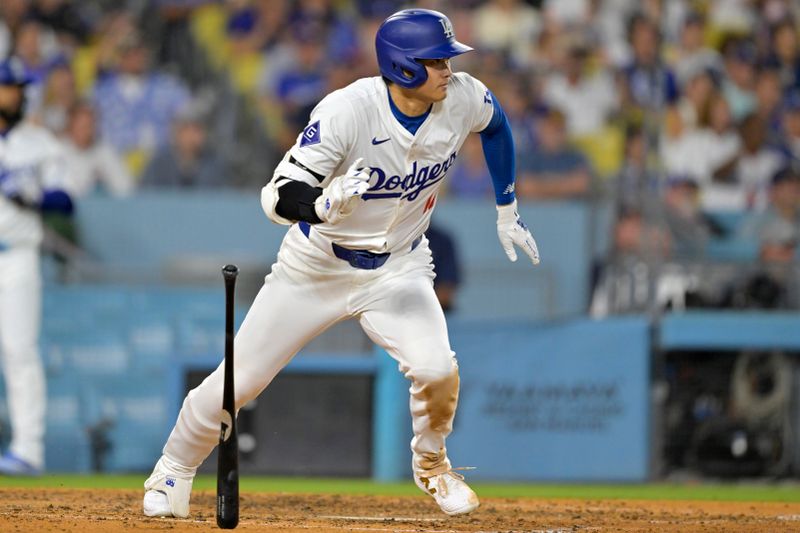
[(358, 189), (30, 173)]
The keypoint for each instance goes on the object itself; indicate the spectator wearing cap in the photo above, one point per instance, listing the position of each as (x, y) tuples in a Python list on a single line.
[(188, 160), (91, 163), (586, 99), (738, 83), (554, 170), (136, 104)]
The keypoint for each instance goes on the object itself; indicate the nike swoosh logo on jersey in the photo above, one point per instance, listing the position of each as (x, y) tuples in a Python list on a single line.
[(376, 142)]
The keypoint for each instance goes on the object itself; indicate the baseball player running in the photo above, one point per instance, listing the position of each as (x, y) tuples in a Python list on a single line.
[(357, 190), (30, 173)]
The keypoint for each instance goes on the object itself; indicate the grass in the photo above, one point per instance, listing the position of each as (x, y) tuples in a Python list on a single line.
[(651, 491)]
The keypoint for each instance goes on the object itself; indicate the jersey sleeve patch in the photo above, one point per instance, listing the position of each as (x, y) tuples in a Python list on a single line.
[(311, 135)]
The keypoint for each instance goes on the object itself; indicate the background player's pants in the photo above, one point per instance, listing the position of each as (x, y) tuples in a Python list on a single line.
[(307, 292), (20, 308)]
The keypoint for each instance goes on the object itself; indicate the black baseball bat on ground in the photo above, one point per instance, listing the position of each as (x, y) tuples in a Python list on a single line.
[(228, 454)]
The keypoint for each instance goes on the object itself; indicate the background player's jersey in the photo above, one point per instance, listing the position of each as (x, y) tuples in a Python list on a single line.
[(30, 161), (406, 170)]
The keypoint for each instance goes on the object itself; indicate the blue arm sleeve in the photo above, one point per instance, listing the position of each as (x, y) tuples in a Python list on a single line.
[(56, 200), (498, 149)]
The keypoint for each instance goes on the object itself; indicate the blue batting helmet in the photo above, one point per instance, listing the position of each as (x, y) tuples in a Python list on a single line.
[(414, 34), (13, 72)]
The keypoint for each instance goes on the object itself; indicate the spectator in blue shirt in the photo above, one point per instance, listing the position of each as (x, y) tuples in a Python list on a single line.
[(648, 83), (554, 170), (136, 104)]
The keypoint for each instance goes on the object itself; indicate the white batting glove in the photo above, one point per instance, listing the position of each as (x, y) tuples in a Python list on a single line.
[(340, 197), (512, 230)]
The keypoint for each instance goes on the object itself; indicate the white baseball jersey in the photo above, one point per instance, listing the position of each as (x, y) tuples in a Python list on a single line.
[(30, 161), (406, 170)]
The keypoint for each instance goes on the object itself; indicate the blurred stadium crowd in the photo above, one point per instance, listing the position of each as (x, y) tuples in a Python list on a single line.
[(681, 117)]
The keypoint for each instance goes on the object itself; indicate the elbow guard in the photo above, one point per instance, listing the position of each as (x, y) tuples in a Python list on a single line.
[(269, 201)]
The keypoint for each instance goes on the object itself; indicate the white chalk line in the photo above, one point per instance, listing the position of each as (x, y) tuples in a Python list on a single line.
[(382, 518), (394, 529)]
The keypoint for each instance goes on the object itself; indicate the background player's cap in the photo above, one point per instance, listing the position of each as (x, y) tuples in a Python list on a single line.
[(13, 72), (414, 34)]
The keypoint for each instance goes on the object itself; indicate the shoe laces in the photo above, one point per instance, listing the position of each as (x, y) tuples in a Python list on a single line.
[(441, 482)]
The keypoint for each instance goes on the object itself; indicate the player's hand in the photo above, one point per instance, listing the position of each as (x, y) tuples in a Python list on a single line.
[(511, 230), (340, 197)]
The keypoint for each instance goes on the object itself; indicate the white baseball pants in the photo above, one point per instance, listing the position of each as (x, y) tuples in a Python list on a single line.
[(20, 319), (308, 291)]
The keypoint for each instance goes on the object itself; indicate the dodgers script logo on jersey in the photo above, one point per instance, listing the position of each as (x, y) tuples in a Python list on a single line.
[(411, 185)]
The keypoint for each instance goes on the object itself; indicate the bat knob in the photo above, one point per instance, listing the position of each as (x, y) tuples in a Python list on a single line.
[(230, 271)]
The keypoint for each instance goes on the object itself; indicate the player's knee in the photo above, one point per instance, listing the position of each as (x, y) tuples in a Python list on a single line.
[(434, 369)]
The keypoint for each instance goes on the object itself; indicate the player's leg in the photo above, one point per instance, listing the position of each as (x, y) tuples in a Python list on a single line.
[(20, 308), (292, 307), (403, 316)]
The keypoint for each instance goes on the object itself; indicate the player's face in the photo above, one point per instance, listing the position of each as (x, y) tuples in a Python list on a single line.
[(435, 87), (11, 100)]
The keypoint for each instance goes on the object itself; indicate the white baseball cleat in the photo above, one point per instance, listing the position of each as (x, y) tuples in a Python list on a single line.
[(167, 493), (450, 491)]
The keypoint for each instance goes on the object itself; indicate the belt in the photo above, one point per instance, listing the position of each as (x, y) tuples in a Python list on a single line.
[(362, 259)]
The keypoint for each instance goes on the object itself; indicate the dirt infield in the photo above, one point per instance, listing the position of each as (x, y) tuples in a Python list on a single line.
[(89, 511)]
